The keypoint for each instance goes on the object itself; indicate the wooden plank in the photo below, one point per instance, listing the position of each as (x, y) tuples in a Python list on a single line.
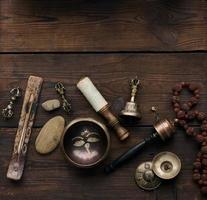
[(51, 177), (110, 73), (79, 25)]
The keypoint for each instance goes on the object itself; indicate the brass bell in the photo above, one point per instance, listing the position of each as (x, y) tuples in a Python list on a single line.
[(166, 165), (131, 109)]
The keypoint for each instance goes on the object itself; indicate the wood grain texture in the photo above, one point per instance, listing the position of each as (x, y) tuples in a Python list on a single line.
[(110, 73), (64, 40), (102, 25), (51, 177)]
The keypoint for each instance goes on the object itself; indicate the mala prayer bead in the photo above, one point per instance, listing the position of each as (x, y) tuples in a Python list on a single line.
[(184, 115)]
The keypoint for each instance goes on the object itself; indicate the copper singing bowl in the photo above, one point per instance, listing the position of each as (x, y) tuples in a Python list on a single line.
[(85, 142)]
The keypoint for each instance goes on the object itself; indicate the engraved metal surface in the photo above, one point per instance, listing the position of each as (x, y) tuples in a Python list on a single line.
[(145, 177), (85, 142), (165, 129)]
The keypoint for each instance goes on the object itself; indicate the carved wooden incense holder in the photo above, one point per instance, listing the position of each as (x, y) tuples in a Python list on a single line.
[(101, 106), (16, 165)]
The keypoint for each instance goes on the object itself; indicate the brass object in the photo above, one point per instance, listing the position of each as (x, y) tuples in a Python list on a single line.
[(146, 178), (16, 165), (112, 120), (85, 142), (155, 111), (8, 112), (101, 106), (166, 165), (131, 109), (164, 130), (66, 105)]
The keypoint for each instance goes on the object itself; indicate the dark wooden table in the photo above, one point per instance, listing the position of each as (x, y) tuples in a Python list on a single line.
[(161, 41)]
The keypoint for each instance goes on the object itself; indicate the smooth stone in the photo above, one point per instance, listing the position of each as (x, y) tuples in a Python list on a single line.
[(50, 105), (50, 135)]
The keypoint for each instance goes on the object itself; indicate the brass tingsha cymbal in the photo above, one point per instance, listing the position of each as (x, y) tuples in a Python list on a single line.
[(166, 165), (145, 177)]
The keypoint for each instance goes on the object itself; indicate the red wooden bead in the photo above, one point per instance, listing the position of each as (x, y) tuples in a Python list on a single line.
[(204, 149), (204, 127), (193, 100), (197, 165), (175, 99), (197, 91), (199, 138), (204, 133), (183, 84), (190, 130), (181, 122), (204, 162), (197, 96), (185, 107), (176, 93), (191, 114), (196, 176), (201, 116), (176, 110), (185, 126), (189, 104), (204, 190), (177, 88), (200, 182), (203, 144), (193, 87), (204, 177), (176, 105), (196, 112), (195, 134), (180, 114), (199, 154)]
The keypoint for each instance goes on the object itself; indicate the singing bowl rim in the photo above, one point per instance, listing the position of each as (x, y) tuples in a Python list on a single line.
[(105, 130)]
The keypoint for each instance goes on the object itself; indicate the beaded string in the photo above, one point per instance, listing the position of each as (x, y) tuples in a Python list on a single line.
[(184, 115)]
